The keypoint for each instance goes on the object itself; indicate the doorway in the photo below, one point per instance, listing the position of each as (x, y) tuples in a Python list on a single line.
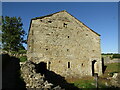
[(94, 64)]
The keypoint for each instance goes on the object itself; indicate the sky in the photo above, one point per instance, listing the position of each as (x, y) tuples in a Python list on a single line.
[(102, 17)]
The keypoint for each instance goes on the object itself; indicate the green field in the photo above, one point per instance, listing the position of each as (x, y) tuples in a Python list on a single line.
[(89, 82)]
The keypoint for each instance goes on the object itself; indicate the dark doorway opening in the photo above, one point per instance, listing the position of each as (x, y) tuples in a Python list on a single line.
[(41, 68), (103, 66), (93, 67)]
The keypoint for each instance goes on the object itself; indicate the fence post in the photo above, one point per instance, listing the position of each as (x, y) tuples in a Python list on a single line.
[(96, 79)]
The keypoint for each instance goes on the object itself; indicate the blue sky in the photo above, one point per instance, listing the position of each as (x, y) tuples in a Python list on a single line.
[(102, 17)]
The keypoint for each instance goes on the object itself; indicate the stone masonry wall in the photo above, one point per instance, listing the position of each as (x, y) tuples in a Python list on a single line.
[(65, 44)]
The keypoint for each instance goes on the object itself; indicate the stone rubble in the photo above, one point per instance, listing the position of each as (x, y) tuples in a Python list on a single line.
[(35, 80), (115, 80)]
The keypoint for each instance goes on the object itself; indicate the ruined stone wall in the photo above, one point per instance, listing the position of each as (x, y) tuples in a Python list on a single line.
[(65, 44), (34, 80)]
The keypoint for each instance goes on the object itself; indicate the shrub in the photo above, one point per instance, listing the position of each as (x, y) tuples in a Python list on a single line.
[(22, 51), (116, 55), (23, 58), (13, 52)]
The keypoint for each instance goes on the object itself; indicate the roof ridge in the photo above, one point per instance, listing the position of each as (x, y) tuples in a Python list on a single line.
[(48, 15)]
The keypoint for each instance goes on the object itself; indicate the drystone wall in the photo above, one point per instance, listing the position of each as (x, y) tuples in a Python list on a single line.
[(115, 80), (35, 80), (11, 54), (67, 46)]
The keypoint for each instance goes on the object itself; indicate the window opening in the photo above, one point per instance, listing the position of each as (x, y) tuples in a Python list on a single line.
[(93, 67), (67, 49), (68, 64), (49, 62), (50, 21), (48, 34), (82, 64), (64, 25)]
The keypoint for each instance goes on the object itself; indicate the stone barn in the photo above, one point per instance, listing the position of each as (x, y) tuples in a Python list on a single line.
[(64, 45)]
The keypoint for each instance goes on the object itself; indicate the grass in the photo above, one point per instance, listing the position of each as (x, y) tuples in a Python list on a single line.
[(89, 82), (85, 84), (111, 69)]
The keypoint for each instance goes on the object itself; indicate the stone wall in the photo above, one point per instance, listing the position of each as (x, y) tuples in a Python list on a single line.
[(35, 80), (65, 44), (12, 54)]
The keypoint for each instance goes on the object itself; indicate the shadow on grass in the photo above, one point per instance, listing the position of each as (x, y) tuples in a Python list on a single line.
[(11, 74)]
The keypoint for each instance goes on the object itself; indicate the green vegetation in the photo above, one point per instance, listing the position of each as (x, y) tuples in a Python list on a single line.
[(19, 52), (85, 84), (116, 55), (23, 58), (22, 51), (111, 55), (112, 68), (107, 53), (12, 34), (89, 82)]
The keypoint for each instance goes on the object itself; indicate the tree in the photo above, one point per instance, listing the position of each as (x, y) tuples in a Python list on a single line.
[(12, 34), (116, 56)]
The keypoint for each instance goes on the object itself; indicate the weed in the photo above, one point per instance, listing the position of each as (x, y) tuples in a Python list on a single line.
[(23, 58)]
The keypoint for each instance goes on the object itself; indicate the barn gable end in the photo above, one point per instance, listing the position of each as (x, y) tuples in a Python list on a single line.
[(67, 45)]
